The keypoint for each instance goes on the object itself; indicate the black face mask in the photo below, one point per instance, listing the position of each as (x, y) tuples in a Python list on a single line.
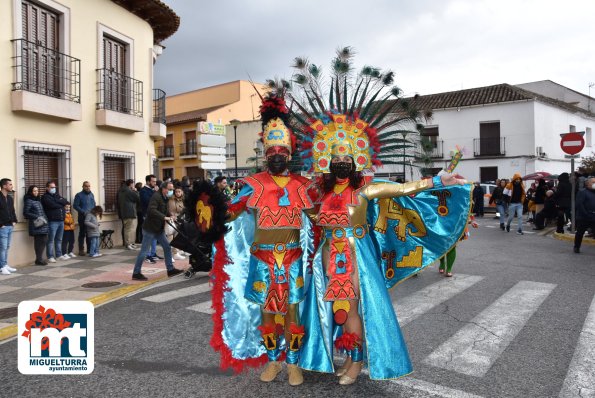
[(277, 164), (341, 169)]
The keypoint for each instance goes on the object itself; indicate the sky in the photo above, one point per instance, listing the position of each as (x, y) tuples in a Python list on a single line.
[(432, 45)]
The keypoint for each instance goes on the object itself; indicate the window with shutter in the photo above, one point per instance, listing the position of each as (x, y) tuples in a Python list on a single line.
[(40, 53), (489, 138), (114, 63), (45, 164), (117, 168)]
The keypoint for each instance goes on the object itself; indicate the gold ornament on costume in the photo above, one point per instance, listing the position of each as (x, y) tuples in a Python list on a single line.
[(276, 133), (340, 137)]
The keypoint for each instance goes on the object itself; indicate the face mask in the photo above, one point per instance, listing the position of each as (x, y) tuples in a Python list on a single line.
[(593, 187), (341, 169), (170, 193), (516, 182), (277, 164), (52, 190)]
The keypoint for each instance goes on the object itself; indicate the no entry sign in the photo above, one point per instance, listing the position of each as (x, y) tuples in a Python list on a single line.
[(572, 143)]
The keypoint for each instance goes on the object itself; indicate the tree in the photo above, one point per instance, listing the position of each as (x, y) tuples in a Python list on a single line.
[(588, 164)]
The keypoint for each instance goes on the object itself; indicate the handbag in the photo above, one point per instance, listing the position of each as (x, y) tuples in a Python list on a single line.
[(40, 222)]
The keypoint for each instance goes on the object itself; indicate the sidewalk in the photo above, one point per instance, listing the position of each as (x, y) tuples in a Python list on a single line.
[(97, 280), (568, 236)]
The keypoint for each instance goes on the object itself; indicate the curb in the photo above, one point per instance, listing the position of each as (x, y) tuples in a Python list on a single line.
[(12, 330), (570, 238)]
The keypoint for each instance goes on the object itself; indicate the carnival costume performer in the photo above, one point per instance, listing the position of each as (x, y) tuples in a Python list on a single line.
[(259, 285), (375, 233)]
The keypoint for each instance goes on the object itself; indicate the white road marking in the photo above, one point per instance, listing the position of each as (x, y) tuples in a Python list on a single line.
[(178, 293), (416, 304), (204, 307), (434, 389), (476, 346), (580, 379)]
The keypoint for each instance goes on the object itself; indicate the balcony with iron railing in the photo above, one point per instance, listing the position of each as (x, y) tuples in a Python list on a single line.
[(119, 101), (45, 81), (188, 149), (165, 152), (158, 128), (487, 147), (433, 149)]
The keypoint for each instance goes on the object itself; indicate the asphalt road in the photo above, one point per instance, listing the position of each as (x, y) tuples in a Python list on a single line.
[(507, 325)]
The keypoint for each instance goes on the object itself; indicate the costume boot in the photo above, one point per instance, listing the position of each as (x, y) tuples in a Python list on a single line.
[(270, 341), (293, 354), (357, 357)]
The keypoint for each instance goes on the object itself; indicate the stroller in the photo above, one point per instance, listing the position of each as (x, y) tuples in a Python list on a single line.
[(202, 224), (189, 240)]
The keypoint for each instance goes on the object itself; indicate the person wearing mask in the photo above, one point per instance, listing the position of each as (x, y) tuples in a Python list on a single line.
[(563, 194), (153, 230), (585, 212), (478, 200), (68, 237), (145, 194), (92, 223), (38, 223), (53, 206), (175, 207), (498, 199), (83, 202), (8, 218), (128, 201), (549, 211), (515, 191)]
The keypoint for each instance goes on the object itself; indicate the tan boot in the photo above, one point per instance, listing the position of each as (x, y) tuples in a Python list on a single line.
[(271, 371), (295, 375)]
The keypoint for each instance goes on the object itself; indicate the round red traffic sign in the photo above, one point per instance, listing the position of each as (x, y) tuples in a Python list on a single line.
[(572, 143)]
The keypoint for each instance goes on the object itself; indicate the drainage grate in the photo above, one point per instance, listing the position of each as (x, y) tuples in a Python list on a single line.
[(9, 312), (95, 285)]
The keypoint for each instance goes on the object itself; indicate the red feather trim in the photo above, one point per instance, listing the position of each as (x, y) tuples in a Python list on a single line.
[(348, 341), (267, 329), (219, 281), (295, 329)]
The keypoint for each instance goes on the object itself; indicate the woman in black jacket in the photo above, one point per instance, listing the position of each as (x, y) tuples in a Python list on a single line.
[(563, 193), (33, 211)]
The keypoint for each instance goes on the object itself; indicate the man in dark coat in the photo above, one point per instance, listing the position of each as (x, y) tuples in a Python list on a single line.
[(53, 206), (478, 200), (154, 229), (549, 211), (84, 201), (146, 193), (128, 201), (585, 212), (563, 193)]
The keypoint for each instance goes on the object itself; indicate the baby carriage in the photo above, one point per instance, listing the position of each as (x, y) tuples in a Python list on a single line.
[(201, 226)]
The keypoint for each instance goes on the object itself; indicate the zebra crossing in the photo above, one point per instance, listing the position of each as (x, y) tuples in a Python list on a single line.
[(476, 346)]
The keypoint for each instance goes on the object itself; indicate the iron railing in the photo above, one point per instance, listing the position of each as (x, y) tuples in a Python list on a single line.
[(188, 148), (165, 151), (158, 106), (45, 71), (437, 151), (120, 93), (489, 146)]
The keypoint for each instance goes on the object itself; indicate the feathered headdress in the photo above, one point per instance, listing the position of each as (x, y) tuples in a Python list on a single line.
[(276, 130), (351, 118)]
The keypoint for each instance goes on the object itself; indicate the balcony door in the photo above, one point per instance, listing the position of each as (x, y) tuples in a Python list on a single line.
[(40, 50), (489, 139), (115, 83)]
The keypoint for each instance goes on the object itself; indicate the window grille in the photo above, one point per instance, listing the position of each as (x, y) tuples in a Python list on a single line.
[(230, 151), (116, 169), (43, 164)]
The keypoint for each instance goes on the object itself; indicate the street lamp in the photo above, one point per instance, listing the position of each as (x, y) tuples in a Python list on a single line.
[(235, 123)]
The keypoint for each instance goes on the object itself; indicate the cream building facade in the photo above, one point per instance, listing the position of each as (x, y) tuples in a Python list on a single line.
[(181, 153), (78, 102)]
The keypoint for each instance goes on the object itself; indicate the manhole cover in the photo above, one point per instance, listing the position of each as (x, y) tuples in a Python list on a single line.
[(95, 285), (10, 312)]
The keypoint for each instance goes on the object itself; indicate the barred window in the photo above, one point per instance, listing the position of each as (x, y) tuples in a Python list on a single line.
[(116, 168), (43, 164)]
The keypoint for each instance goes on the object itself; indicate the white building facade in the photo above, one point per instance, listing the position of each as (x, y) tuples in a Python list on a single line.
[(503, 130)]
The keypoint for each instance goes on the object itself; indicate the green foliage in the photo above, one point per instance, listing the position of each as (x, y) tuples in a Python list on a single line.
[(588, 164)]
